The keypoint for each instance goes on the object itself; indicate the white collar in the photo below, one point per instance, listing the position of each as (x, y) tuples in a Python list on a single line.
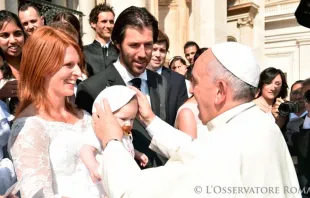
[(160, 70), (104, 45), (126, 76), (294, 116), (227, 115)]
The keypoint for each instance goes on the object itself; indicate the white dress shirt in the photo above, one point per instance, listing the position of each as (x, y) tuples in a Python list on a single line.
[(127, 77), (160, 70), (105, 45), (294, 116)]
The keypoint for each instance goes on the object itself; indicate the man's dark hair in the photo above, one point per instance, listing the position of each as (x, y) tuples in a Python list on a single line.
[(190, 44), (6, 16), (199, 52), (29, 5), (133, 17), (162, 37), (306, 82), (101, 7), (297, 82)]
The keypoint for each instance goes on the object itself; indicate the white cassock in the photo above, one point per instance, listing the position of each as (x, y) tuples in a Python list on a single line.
[(243, 155)]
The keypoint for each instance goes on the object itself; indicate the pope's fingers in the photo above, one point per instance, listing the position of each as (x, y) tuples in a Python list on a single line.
[(107, 108), (139, 94), (99, 109)]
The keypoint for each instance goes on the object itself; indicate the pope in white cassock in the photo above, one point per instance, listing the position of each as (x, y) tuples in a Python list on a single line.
[(243, 154)]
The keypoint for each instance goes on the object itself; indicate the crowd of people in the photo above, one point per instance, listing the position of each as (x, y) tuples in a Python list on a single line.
[(115, 119)]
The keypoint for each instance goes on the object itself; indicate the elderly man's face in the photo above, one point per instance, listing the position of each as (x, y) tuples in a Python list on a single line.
[(203, 87)]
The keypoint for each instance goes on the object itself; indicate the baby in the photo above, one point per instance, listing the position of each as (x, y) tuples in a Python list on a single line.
[(124, 106)]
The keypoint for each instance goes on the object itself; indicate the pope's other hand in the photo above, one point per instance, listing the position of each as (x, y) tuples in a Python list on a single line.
[(145, 113)]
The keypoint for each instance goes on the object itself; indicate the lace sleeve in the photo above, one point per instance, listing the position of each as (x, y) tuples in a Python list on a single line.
[(29, 148)]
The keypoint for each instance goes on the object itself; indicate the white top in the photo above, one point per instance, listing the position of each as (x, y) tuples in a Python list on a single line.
[(50, 152), (127, 77), (188, 86), (243, 150)]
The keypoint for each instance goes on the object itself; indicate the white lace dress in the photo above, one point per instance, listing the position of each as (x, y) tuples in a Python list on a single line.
[(50, 153)]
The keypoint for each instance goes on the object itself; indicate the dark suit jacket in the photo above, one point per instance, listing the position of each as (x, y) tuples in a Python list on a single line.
[(95, 60), (301, 145), (176, 95), (89, 89)]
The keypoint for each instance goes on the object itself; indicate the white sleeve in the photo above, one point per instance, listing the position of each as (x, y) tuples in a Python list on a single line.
[(166, 139), (29, 148), (91, 139), (118, 168)]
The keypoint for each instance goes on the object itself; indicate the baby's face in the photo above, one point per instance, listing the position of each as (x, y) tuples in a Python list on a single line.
[(126, 115)]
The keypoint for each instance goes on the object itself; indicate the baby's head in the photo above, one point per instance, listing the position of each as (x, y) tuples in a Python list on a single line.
[(123, 104), (126, 114)]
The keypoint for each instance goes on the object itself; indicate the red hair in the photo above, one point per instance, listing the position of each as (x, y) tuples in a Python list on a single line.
[(43, 54)]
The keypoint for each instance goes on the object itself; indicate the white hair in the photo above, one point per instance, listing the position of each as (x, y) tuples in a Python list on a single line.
[(240, 89)]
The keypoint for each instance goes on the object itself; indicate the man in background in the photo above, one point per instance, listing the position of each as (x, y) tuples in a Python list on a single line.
[(296, 96), (190, 49), (176, 90), (30, 17), (101, 52)]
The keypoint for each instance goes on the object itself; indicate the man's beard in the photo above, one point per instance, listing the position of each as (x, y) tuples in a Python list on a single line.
[(126, 60)]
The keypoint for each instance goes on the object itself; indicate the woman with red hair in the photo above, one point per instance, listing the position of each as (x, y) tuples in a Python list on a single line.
[(48, 132)]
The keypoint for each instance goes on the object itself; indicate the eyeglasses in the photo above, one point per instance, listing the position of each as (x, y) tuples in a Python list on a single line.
[(296, 92)]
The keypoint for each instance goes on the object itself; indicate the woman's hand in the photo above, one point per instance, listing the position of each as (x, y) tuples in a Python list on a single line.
[(280, 120), (275, 108)]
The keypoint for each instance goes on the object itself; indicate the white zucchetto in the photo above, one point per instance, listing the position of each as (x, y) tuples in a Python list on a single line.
[(239, 60), (117, 96)]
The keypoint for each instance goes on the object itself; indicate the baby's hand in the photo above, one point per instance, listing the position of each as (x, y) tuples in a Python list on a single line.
[(142, 158), (93, 170)]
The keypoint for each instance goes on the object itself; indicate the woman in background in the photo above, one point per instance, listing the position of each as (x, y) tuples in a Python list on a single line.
[(12, 39), (178, 64), (187, 119), (272, 90)]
